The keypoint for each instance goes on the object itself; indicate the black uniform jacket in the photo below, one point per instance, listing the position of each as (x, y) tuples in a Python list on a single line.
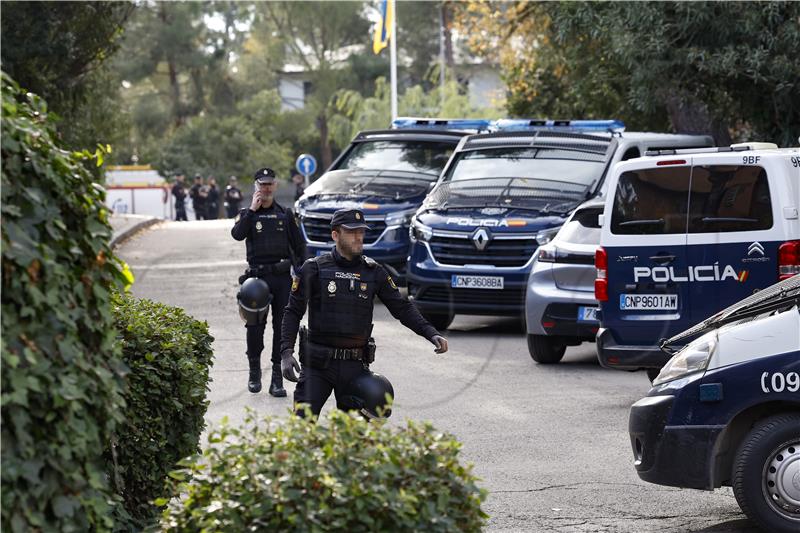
[(271, 235), (308, 291)]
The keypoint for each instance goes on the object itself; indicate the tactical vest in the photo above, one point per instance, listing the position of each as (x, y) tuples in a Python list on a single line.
[(268, 241), (345, 300)]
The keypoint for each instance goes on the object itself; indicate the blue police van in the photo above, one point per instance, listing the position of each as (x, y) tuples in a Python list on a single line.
[(387, 174), (502, 195), (686, 233), (725, 409)]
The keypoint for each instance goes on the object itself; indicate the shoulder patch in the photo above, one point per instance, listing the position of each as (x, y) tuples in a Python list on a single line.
[(391, 281), (295, 284)]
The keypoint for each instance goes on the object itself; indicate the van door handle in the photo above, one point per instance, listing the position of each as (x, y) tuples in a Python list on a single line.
[(662, 259)]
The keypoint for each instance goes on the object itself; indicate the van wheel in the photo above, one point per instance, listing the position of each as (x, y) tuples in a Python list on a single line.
[(546, 350), (652, 374), (766, 473), (440, 321)]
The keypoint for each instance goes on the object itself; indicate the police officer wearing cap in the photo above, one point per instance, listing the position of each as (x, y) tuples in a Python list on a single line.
[(274, 246), (338, 288)]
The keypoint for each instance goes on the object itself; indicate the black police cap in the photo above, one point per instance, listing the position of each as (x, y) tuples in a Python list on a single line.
[(264, 175), (349, 218)]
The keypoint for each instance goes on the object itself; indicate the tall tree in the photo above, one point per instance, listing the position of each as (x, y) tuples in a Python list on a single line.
[(58, 50), (701, 67), (319, 44)]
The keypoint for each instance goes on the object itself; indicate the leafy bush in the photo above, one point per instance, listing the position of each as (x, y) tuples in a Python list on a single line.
[(62, 376), (347, 475), (169, 355)]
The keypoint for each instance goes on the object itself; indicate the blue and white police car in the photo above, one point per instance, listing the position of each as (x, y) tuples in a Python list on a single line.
[(686, 233), (385, 173), (502, 195), (725, 409)]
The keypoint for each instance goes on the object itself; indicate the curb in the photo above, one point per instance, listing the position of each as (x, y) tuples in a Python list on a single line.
[(130, 231)]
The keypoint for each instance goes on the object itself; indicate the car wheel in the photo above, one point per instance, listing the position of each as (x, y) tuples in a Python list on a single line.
[(546, 350), (766, 473), (440, 321)]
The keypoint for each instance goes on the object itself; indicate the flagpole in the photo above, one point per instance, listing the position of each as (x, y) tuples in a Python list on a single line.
[(393, 57)]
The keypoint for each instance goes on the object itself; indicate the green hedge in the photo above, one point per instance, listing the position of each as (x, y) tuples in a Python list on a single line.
[(62, 376), (169, 355), (344, 474)]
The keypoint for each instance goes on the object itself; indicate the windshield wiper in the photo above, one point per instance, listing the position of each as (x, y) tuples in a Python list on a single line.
[(712, 220), (644, 222)]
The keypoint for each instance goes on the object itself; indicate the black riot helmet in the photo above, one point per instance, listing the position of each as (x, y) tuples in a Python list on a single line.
[(254, 298), (367, 395)]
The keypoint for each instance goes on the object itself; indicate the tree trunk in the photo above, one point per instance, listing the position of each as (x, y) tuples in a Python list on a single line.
[(175, 88), (324, 142), (691, 116), (448, 37)]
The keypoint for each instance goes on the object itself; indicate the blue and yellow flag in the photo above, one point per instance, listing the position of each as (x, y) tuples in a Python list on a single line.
[(383, 31)]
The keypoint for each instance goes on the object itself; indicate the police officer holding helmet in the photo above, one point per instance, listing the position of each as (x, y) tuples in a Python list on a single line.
[(274, 246), (338, 288)]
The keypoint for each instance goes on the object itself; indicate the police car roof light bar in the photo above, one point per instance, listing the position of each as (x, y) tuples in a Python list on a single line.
[(741, 147), (517, 124), (472, 124)]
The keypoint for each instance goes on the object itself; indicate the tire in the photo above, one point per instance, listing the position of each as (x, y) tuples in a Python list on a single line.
[(440, 321), (546, 350), (770, 453)]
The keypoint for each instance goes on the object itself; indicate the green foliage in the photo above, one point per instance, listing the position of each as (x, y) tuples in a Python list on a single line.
[(57, 50), (344, 475), (169, 355), (62, 376), (724, 68)]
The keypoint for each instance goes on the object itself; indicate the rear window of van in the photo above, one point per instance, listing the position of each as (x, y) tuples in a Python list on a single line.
[(651, 201)]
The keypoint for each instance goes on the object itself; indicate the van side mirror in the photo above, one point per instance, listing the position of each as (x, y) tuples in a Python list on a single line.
[(601, 218)]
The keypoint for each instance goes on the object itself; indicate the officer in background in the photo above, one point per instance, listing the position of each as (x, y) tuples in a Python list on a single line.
[(233, 197), (274, 246), (180, 198), (198, 195), (212, 200), (339, 288)]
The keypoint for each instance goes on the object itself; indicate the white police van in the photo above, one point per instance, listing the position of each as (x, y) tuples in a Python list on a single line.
[(686, 233), (725, 410)]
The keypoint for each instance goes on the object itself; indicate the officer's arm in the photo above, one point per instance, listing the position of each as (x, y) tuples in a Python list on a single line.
[(401, 308), (241, 228), (296, 241), (298, 302)]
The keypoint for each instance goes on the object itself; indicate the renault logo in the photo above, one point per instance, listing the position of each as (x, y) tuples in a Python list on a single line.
[(755, 248), (481, 238)]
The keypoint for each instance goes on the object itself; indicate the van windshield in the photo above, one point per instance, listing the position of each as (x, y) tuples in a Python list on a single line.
[(423, 157), (570, 166)]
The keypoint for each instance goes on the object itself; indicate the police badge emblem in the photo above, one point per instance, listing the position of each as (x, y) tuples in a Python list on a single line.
[(258, 226), (332, 287), (295, 284), (363, 286), (358, 216)]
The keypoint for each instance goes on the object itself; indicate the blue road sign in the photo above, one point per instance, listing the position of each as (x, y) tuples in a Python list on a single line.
[(306, 164)]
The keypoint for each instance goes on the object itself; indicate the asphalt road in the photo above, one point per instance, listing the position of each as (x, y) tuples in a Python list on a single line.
[(549, 442)]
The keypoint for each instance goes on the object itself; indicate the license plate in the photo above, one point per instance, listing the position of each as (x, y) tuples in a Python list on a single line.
[(587, 314), (648, 302), (476, 282)]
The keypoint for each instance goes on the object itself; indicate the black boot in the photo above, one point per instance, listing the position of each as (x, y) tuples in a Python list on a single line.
[(276, 386), (254, 381)]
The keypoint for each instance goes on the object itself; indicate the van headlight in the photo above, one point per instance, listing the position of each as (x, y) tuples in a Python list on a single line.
[(690, 359), (419, 231), (400, 218), (547, 235)]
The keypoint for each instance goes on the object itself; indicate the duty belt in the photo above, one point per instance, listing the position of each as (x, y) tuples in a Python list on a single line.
[(280, 267), (354, 354)]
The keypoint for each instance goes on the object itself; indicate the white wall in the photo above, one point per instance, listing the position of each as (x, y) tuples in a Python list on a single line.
[(292, 94)]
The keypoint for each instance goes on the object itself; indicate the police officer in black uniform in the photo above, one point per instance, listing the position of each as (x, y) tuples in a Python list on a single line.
[(233, 197), (338, 288), (274, 246)]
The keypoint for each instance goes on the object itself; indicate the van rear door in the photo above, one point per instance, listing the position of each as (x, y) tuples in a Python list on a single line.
[(734, 231), (649, 296)]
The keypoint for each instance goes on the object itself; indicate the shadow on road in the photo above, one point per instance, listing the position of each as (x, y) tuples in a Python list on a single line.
[(731, 526)]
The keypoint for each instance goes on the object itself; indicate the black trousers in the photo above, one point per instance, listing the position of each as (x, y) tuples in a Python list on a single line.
[(315, 385), (279, 286), (180, 212)]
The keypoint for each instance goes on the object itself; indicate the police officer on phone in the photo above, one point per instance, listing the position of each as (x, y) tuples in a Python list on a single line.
[(338, 288), (274, 246)]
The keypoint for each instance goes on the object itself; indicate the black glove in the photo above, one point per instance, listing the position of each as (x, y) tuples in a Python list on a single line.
[(289, 366), (440, 343)]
